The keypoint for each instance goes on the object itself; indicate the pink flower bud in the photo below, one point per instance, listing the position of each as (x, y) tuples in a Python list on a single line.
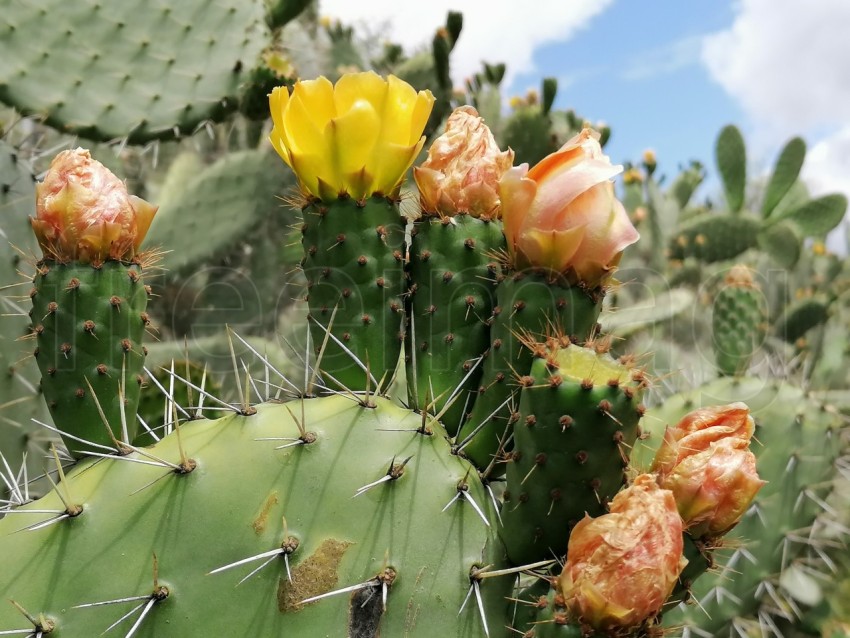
[(622, 566), (463, 168), (562, 214), (705, 460), (84, 213)]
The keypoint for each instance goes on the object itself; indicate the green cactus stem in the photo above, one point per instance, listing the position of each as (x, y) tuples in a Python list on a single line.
[(452, 289), (528, 304), (578, 420), (88, 323), (353, 262)]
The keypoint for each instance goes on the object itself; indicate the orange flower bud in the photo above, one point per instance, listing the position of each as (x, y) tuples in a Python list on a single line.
[(463, 168), (705, 460), (622, 566), (562, 214), (84, 213)]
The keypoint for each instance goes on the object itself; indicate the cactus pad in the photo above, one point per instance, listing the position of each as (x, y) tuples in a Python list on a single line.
[(140, 71), (578, 420), (246, 496)]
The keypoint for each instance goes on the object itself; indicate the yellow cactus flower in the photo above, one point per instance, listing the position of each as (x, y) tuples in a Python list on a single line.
[(356, 138), (84, 213)]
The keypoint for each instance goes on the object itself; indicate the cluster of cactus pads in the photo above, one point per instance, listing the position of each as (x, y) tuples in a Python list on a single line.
[(497, 498)]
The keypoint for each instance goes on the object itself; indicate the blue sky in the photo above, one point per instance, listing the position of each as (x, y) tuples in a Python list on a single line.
[(637, 66), (665, 74)]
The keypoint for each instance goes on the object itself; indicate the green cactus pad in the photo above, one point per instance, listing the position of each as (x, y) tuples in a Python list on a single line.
[(738, 322), (244, 497), (531, 303), (141, 71), (89, 323), (796, 442), (578, 420), (785, 173), (711, 238), (218, 206), (452, 284), (731, 155), (354, 263), (800, 317)]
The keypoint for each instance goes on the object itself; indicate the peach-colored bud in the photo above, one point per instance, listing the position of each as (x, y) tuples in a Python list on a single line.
[(562, 215), (463, 168), (84, 213), (622, 566), (705, 460)]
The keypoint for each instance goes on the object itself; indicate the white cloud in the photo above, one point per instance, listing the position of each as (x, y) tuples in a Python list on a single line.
[(788, 63), (493, 30), (827, 167)]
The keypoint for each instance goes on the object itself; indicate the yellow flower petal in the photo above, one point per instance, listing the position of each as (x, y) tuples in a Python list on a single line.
[(319, 95), (552, 249), (398, 109), (301, 133), (352, 137), (354, 87), (391, 163)]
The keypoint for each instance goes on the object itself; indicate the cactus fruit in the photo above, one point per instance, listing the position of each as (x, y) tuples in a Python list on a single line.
[(329, 487), (453, 264), (739, 321), (89, 301), (578, 420), (118, 71), (353, 263)]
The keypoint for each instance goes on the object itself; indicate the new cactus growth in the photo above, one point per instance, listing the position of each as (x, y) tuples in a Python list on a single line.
[(453, 257), (89, 301), (578, 420), (350, 145)]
